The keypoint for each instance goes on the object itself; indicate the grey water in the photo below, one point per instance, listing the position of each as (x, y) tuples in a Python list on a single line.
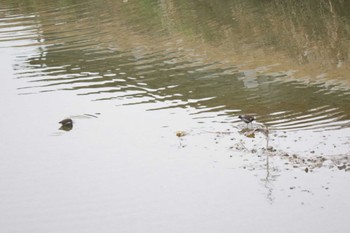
[(154, 89)]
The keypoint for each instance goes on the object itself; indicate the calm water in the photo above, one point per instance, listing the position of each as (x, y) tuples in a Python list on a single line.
[(133, 74)]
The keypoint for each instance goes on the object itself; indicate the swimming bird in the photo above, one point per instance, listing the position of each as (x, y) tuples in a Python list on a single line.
[(66, 124), (246, 118)]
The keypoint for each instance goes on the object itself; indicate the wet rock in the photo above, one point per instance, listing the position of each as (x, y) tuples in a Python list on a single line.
[(250, 134), (181, 134)]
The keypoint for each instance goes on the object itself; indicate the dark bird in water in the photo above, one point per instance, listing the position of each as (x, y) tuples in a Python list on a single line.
[(66, 124), (246, 118)]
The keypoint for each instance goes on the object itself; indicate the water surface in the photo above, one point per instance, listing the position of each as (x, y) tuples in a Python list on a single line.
[(132, 75)]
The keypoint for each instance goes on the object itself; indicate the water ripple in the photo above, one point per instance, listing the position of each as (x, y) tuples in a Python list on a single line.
[(65, 52)]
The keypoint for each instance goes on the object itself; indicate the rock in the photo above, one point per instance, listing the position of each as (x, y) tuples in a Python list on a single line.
[(180, 134)]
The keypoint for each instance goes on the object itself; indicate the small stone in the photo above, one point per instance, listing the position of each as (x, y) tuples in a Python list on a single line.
[(180, 133)]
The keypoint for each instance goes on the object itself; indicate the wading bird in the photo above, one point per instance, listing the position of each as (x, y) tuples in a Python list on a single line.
[(246, 118)]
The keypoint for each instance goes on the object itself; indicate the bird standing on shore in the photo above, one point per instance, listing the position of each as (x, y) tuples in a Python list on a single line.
[(247, 119)]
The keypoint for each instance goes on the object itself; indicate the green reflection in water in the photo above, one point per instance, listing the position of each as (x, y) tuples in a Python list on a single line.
[(178, 51)]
